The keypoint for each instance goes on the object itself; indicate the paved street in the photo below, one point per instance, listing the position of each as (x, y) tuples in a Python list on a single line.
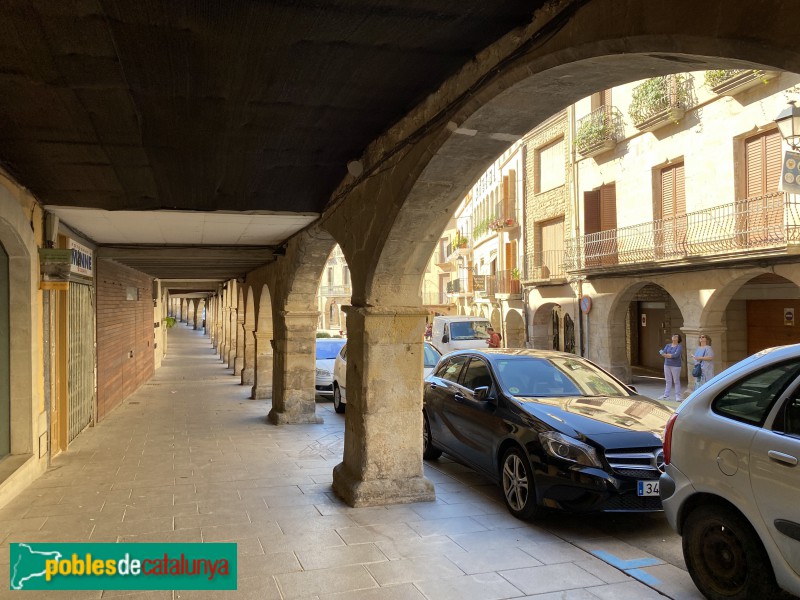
[(190, 458)]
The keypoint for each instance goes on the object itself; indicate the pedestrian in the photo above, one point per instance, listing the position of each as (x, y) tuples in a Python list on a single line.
[(672, 353), (428, 331), (494, 338), (704, 358)]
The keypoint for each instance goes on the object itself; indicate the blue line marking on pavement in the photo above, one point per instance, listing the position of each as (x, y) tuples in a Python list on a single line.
[(624, 565), (644, 577)]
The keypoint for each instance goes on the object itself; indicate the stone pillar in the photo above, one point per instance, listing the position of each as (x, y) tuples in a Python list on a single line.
[(294, 398), (232, 327), (238, 361), (211, 320), (248, 356), (181, 309), (198, 315), (225, 319), (382, 462), (202, 322), (262, 367)]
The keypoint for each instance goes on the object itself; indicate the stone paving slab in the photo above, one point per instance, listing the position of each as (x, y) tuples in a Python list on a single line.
[(190, 458)]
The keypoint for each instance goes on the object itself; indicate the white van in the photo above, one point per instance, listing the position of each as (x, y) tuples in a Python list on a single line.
[(458, 333)]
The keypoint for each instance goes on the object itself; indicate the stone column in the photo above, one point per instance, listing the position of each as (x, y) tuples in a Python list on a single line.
[(262, 369), (232, 327), (249, 359), (238, 360), (225, 319), (294, 398), (382, 462), (198, 315), (211, 320)]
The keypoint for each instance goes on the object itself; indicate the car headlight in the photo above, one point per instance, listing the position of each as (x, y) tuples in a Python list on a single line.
[(323, 373), (566, 448)]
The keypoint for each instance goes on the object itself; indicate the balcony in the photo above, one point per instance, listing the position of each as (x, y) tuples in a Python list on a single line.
[(336, 291), (508, 283), (763, 225), (660, 101), (504, 224), (444, 258), (458, 287), (597, 132), (548, 265), (729, 82), (435, 298)]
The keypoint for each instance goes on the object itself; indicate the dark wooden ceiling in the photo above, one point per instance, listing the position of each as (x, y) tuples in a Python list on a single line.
[(219, 104)]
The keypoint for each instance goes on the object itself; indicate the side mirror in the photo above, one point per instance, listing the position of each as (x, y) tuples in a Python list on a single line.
[(445, 339), (481, 393)]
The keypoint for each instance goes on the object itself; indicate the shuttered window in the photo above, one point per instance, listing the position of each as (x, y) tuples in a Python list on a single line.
[(550, 166), (600, 214), (761, 216), (671, 229)]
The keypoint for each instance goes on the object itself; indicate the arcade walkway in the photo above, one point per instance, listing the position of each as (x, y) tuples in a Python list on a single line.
[(189, 458)]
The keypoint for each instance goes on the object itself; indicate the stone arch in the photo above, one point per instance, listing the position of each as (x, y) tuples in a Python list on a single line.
[(515, 329), (18, 243), (263, 336), (713, 314), (496, 318), (542, 325)]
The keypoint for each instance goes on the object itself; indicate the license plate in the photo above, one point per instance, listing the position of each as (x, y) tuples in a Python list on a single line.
[(647, 487)]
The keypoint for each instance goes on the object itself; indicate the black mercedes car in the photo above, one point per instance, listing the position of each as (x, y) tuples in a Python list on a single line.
[(553, 429)]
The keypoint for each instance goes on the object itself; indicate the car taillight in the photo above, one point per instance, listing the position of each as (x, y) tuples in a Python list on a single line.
[(668, 438)]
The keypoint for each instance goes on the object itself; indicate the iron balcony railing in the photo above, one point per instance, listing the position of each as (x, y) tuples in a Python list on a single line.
[(548, 264), (336, 290), (507, 282), (600, 127), (763, 222)]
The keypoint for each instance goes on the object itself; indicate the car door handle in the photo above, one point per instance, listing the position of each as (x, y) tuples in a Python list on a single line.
[(458, 396), (433, 386), (780, 457)]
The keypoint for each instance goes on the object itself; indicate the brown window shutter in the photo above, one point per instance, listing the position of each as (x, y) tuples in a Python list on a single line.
[(667, 193), (608, 207), (754, 166), (680, 190), (772, 161), (505, 202), (512, 193), (591, 212)]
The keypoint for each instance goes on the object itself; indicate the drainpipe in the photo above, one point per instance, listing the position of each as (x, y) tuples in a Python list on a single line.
[(583, 334)]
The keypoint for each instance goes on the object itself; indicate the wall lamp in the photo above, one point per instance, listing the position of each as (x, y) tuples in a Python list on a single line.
[(789, 125)]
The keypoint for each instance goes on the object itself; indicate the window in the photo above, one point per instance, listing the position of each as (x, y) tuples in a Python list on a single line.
[(477, 375), (600, 214), (451, 369), (346, 275), (430, 356), (760, 215), (671, 230), (749, 400), (549, 166), (788, 421), (550, 258), (330, 275)]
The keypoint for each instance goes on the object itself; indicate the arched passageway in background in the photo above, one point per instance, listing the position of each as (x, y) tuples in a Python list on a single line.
[(515, 330), (651, 319)]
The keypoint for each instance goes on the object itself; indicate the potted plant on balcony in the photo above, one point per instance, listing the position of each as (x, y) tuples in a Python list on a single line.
[(514, 288), (595, 133), (460, 241), (659, 101)]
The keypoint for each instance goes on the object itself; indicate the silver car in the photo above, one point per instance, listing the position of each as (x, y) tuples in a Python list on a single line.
[(327, 349), (732, 481)]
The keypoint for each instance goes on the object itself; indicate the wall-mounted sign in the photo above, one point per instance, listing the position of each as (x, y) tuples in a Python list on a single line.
[(790, 174), (82, 260), (788, 316)]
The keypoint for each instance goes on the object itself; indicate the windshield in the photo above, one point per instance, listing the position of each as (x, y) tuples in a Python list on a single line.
[(328, 349), (558, 376), (469, 330), (431, 356)]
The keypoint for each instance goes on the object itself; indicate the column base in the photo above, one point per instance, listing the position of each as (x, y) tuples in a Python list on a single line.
[(282, 418), (238, 365), (261, 392), (380, 492), (248, 377)]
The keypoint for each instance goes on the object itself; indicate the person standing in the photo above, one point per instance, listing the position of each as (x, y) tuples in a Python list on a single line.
[(494, 338), (704, 356), (672, 353), (428, 331)]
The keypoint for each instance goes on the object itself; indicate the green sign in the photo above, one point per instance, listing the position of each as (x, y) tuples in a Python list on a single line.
[(87, 566)]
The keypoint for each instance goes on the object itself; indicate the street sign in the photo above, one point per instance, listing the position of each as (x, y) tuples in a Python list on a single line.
[(586, 304)]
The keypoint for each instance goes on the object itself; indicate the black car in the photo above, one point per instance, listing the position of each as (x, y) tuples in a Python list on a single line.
[(554, 429)]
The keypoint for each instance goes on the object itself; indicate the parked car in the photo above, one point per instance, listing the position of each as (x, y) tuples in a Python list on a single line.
[(430, 357), (459, 332), (327, 350), (553, 429), (732, 485)]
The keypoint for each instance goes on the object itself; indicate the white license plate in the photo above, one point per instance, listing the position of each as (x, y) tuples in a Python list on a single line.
[(647, 487)]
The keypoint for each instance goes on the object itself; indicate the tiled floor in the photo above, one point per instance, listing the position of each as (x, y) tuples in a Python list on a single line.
[(189, 458)]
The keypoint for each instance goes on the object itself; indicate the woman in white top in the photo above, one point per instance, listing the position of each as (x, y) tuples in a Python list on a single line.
[(704, 356)]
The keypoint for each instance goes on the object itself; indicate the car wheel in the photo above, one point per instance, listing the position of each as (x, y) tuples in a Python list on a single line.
[(429, 451), (724, 555), (338, 406), (519, 491)]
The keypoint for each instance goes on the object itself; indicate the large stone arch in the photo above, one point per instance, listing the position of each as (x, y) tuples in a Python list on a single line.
[(542, 326), (389, 216), (25, 400)]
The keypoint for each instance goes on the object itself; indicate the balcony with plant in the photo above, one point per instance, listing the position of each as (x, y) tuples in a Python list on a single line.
[(660, 101), (727, 82), (597, 131)]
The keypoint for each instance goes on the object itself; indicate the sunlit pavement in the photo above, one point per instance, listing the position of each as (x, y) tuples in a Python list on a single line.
[(189, 458)]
